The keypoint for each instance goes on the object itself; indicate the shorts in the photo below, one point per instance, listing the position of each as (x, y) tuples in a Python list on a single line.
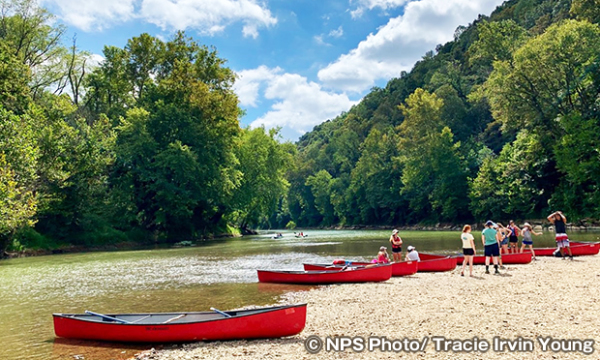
[(513, 239), (397, 249), (561, 237), (527, 242), (562, 243), (504, 241), (468, 252), (492, 250)]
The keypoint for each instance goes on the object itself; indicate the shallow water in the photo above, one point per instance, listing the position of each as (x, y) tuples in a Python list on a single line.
[(219, 274)]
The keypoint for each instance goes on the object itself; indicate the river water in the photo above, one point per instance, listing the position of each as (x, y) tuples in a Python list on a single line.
[(220, 274)]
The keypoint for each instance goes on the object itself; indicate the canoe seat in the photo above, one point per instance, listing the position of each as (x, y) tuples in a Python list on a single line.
[(174, 318)]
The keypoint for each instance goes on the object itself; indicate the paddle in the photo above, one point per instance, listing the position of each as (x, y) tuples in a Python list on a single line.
[(220, 312), (108, 317)]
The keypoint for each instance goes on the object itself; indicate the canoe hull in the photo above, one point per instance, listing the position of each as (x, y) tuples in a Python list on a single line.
[(370, 274), (577, 248), (404, 268), (245, 324), (519, 258), (436, 263)]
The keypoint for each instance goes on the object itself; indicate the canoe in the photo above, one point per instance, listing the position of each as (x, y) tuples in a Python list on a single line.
[(436, 263), (376, 273), (269, 322), (577, 248), (403, 268), (518, 258)]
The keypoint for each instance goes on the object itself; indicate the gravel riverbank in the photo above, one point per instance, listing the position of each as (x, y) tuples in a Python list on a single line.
[(548, 298)]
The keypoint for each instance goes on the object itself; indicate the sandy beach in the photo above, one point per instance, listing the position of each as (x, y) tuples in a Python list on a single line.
[(548, 298)]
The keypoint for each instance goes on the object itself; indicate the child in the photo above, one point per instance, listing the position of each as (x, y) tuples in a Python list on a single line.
[(527, 230)]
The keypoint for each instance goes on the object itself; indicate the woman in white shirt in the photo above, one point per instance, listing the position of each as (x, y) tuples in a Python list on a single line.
[(468, 249)]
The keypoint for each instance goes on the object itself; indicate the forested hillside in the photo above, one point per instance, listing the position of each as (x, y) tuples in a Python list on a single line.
[(503, 122), (144, 147)]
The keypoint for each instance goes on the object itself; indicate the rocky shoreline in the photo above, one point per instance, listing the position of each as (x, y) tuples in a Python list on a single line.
[(548, 298)]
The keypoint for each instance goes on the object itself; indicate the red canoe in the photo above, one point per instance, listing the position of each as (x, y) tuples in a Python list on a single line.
[(519, 258), (577, 248), (436, 263), (271, 322), (403, 268), (346, 275)]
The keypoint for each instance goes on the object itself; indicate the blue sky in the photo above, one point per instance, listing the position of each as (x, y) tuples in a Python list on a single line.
[(300, 62)]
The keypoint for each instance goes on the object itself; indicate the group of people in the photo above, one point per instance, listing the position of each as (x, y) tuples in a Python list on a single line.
[(396, 242), (495, 238)]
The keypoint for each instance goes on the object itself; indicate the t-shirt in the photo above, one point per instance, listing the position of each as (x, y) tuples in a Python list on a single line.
[(526, 234), (413, 256), (466, 240), (489, 235)]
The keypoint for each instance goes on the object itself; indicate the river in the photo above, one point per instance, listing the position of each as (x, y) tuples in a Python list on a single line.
[(220, 273)]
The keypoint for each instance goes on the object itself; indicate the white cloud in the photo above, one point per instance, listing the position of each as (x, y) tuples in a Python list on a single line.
[(337, 33), (206, 16), (249, 81), (91, 14), (371, 4), (319, 40), (401, 42), (298, 104)]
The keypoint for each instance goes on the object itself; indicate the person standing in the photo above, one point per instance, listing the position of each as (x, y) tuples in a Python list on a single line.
[(396, 242), (560, 227), (504, 236), (468, 245), (490, 239), (513, 237), (527, 239)]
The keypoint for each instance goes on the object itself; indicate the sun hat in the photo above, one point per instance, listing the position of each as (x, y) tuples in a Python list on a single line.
[(489, 223), (382, 248), (410, 248), (527, 224), (394, 232)]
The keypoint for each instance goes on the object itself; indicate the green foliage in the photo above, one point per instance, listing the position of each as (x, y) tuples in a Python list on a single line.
[(263, 163), (508, 185), (290, 225), (586, 10), (553, 74)]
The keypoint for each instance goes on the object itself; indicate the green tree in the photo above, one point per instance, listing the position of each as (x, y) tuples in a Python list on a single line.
[(553, 74), (433, 174), (263, 163), (376, 183), (586, 10), (18, 161), (187, 128)]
